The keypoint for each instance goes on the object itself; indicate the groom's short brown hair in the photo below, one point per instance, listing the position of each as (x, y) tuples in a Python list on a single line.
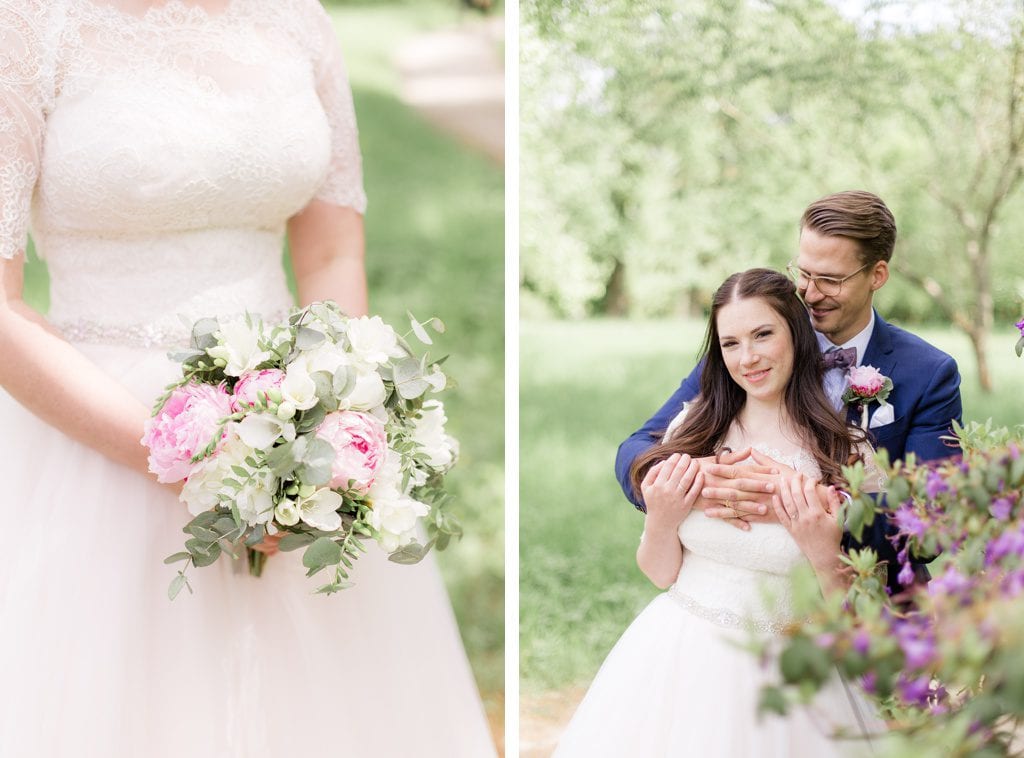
[(857, 215)]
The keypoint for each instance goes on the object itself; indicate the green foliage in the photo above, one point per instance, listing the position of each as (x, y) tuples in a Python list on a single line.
[(649, 175)]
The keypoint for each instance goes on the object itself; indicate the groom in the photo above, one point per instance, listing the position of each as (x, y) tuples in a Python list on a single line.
[(846, 242)]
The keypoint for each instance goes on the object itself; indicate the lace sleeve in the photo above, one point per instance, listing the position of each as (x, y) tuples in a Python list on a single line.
[(23, 103), (675, 423), (874, 478), (344, 183)]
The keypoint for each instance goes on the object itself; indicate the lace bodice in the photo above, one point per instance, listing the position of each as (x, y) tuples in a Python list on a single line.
[(733, 577), (157, 155)]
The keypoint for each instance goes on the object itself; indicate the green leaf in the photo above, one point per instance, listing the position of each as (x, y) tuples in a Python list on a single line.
[(294, 541), (283, 459), (256, 535), (772, 700), (176, 584), (177, 557), (344, 382), (438, 325), (211, 555), (418, 330), (307, 339), (408, 555), (323, 552), (206, 535), (202, 334)]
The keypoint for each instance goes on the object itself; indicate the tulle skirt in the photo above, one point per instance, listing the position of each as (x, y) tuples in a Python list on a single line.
[(676, 684), (96, 661)]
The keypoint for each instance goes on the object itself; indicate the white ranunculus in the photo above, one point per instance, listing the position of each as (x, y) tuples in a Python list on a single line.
[(428, 433), (256, 501), (238, 345), (372, 341), (298, 387), (205, 485), (327, 356), (261, 430), (395, 517), (368, 393), (287, 513), (320, 510)]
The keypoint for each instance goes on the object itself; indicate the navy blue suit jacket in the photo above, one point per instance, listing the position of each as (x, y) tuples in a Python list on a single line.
[(925, 399)]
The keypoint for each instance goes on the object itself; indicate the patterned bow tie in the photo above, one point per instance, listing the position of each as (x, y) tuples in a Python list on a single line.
[(836, 358)]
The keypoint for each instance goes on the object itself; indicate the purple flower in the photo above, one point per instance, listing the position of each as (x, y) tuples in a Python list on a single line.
[(862, 642), (825, 640), (1001, 508), (1020, 327), (906, 575), (909, 522), (917, 643), (952, 582), (869, 682), (914, 691), (1007, 543), (1014, 451), (935, 485)]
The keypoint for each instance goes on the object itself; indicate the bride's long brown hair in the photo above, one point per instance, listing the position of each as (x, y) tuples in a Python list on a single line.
[(829, 439)]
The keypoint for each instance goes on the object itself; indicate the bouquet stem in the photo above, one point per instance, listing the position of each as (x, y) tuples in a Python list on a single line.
[(256, 560)]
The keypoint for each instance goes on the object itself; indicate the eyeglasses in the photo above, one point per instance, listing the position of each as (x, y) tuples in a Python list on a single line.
[(829, 286)]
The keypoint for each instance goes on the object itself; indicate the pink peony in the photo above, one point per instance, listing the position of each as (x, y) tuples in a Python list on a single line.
[(253, 385), (866, 381), (185, 425), (360, 447)]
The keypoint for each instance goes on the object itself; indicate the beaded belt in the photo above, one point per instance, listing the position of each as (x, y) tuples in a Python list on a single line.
[(142, 335), (722, 616)]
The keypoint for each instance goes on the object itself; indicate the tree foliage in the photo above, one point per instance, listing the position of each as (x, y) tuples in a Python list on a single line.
[(668, 144)]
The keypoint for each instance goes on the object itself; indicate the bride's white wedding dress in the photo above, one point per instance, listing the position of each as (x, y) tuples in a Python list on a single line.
[(677, 683), (157, 157)]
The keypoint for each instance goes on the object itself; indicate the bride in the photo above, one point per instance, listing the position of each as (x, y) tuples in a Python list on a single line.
[(160, 152), (677, 683)]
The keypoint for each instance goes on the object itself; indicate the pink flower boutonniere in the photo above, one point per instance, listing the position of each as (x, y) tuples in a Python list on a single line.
[(866, 385), (1019, 347)]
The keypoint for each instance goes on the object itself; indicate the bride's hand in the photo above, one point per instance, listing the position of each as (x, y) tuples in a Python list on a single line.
[(812, 522), (268, 545), (670, 489)]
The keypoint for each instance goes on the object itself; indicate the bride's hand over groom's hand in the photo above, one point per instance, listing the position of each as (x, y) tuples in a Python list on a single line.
[(738, 494), (670, 490)]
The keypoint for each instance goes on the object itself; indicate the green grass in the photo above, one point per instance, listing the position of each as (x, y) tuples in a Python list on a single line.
[(585, 386), (435, 241)]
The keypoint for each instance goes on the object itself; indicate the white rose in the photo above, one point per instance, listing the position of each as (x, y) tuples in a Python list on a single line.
[(320, 510), (428, 433), (238, 345), (372, 341), (298, 387), (395, 517)]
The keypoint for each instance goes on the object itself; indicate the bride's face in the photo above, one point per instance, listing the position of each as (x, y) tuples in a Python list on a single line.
[(756, 346)]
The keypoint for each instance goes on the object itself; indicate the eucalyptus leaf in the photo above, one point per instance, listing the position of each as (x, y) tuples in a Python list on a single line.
[(344, 382), (206, 535), (307, 339), (408, 555), (412, 389), (322, 552), (283, 459), (310, 420), (438, 325), (212, 554), (418, 330), (202, 333), (176, 584), (177, 557), (294, 541), (256, 536)]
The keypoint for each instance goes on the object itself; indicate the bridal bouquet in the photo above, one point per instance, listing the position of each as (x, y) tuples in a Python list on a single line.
[(317, 430)]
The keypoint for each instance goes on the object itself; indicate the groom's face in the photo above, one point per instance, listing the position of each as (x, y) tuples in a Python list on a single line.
[(839, 316)]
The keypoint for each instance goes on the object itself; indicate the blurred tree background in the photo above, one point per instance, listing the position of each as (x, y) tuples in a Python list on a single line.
[(668, 144)]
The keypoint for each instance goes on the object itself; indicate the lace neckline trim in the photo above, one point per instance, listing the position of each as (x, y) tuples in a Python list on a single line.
[(168, 13)]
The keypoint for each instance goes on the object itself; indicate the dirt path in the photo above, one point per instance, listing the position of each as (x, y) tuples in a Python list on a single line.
[(456, 79), (542, 717)]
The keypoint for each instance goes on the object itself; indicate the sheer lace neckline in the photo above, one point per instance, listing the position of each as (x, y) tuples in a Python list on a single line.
[(167, 13)]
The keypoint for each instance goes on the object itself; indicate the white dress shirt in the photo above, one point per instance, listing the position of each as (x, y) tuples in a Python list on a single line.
[(835, 383)]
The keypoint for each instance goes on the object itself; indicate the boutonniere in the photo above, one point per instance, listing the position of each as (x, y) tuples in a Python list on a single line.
[(867, 384), (1020, 343)]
